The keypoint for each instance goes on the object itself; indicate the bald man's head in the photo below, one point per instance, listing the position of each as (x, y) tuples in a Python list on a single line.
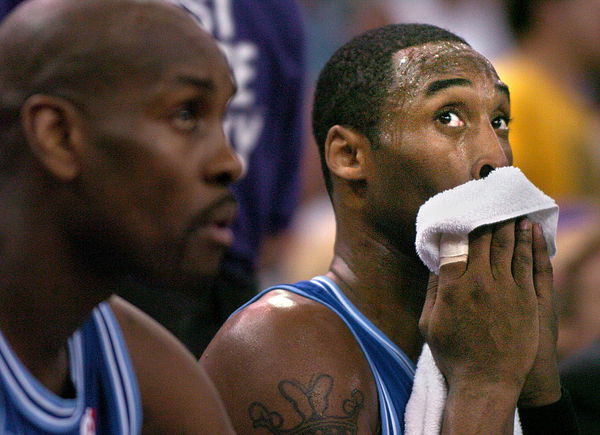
[(86, 51), (120, 104)]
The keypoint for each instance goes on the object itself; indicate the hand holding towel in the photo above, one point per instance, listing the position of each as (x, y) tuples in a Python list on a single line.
[(443, 225), (451, 215)]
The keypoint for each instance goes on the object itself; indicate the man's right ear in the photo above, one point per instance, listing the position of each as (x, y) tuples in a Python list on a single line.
[(345, 152), (52, 129)]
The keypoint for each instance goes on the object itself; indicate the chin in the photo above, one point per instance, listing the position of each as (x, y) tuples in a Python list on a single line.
[(202, 266), (187, 281), (182, 277)]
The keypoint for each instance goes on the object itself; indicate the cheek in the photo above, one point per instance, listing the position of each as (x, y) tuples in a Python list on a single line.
[(168, 196), (147, 185), (508, 152), (434, 163)]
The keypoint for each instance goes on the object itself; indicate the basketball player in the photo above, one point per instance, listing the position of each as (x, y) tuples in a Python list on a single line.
[(113, 161), (400, 113)]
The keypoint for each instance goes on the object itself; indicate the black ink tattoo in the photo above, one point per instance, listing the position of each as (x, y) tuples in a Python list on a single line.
[(310, 403)]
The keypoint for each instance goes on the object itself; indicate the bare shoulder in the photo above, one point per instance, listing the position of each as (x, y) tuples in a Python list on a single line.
[(285, 362), (177, 394)]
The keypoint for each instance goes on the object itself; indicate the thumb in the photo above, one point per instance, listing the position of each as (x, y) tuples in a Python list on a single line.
[(452, 268), (430, 297)]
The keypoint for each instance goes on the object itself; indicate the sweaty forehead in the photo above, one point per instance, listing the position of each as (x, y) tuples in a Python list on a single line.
[(415, 66)]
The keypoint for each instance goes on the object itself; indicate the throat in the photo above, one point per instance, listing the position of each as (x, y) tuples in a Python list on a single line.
[(57, 376), (393, 305), (68, 390), (54, 373)]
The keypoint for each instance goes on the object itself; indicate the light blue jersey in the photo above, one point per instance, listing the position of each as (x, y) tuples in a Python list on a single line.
[(392, 370), (106, 393)]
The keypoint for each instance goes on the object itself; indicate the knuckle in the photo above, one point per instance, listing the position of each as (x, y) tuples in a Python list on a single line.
[(477, 294), (452, 271), (524, 259), (545, 268), (501, 243), (449, 295), (524, 236)]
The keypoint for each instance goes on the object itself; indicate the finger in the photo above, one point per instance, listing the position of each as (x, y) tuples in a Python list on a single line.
[(429, 304), (462, 258), (522, 261), (452, 268), (502, 247), (479, 247), (454, 248), (543, 283), (543, 279), (542, 267)]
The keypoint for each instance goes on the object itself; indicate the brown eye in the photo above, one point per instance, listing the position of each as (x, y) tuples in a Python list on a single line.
[(186, 117), (450, 119), (500, 123)]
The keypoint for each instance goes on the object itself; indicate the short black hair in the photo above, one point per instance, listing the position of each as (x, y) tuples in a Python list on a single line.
[(354, 84)]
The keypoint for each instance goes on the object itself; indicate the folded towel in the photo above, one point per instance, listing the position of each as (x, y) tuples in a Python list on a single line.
[(425, 408), (443, 225), (451, 215), (423, 415)]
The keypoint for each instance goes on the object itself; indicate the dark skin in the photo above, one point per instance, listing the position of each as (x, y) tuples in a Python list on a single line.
[(447, 119), (122, 167)]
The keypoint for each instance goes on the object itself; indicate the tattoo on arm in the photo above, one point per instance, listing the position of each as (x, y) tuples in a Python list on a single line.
[(311, 403)]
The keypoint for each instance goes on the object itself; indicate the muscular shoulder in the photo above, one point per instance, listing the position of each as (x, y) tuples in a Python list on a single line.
[(287, 325), (291, 356), (177, 395)]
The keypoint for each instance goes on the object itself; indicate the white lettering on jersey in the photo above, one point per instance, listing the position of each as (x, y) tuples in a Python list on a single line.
[(242, 126)]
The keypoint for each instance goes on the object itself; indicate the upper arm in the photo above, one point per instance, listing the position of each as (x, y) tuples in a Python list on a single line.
[(286, 361), (177, 395)]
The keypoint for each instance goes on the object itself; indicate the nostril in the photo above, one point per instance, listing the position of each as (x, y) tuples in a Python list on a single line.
[(224, 178), (485, 171)]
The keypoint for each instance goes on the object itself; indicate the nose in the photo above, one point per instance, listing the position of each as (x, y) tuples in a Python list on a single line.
[(225, 167), (492, 153)]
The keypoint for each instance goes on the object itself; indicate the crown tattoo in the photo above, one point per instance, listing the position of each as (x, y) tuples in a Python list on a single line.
[(310, 403)]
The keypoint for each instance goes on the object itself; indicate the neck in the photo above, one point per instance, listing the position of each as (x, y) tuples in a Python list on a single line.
[(44, 295), (386, 284)]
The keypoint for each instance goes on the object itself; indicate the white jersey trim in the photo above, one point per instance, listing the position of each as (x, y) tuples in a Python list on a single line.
[(36, 401), (124, 382), (323, 282), (390, 418)]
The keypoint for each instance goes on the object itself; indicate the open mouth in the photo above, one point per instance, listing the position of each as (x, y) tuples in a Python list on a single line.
[(220, 232), (216, 221)]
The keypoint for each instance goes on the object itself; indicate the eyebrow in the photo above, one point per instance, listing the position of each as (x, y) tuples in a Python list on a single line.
[(202, 84), (205, 84), (439, 85), (504, 89)]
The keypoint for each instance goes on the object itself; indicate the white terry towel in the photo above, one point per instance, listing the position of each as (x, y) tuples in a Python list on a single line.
[(451, 215), (443, 225)]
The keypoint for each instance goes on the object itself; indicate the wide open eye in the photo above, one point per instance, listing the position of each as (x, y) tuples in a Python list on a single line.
[(451, 119), (500, 123)]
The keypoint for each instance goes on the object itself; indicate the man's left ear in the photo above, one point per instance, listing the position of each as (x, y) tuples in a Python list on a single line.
[(345, 152), (52, 128)]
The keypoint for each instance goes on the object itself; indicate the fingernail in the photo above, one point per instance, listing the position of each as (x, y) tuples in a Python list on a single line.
[(525, 224)]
